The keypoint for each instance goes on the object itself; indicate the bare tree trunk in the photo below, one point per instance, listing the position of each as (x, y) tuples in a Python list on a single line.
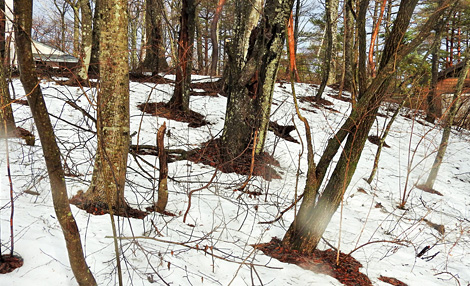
[(23, 19), (362, 41), (251, 75), (330, 14), (349, 39), (199, 49), (296, 24), (85, 51), (155, 59), (448, 123), (7, 121), (109, 174), (163, 176), (76, 27), (95, 42), (180, 98), (433, 111), (215, 37)]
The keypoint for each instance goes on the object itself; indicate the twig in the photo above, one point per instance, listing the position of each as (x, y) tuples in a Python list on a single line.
[(283, 212), (204, 249), (83, 111), (196, 190), (399, 242)]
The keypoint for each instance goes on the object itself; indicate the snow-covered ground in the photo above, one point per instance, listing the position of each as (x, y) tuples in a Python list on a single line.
[(214, 246)]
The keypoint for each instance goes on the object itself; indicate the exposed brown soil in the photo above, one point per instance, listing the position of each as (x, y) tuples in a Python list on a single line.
[(9, 263), (376, 140), (318, 103), (283, 131), (342, 98), (210, 88), (162, 110), (392, 281), (320, 261), (81, 202), (157, 79), (211, 154)]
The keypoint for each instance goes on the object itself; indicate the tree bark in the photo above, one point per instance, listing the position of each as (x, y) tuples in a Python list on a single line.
[(433, 111), (155, 60), (251, 75), (180, 98), (199, 48), (349, 39), (163, 176), (95, 41), (109, 174), (330, 13), (87, 36), (215, 37), (28, 76), (7, 120), (76, 27)]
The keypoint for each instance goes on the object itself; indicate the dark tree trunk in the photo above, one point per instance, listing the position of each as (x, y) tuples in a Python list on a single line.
[(327, 64), (349, 81), (155, 60), (28, 76), (109, 175), (180, 98), (362, 41), (95, 42), (199, 48), (251, 76), (313, 218)]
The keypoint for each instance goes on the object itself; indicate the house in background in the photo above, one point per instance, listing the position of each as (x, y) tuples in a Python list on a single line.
[(44, 55), (447, 83)]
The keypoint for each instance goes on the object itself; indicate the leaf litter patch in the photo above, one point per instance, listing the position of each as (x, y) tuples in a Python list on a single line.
[(320, 261), (8, 263), (81, 202), (161, 109), (212, 154)]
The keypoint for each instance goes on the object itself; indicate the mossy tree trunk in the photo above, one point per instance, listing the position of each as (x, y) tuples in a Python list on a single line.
[(180, 98), (109, 174), (309, 225), (28, 76), (251, 75)]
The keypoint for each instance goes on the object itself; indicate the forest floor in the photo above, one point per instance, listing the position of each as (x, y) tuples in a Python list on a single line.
[(229, 234)]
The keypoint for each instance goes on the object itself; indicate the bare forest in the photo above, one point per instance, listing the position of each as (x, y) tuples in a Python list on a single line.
[(222, 142)]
